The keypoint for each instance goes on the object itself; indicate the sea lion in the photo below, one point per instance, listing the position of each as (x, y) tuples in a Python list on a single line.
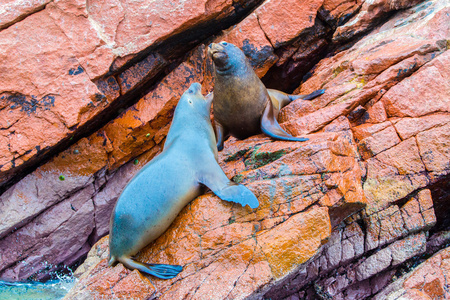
[(242, 105), (157, 193)]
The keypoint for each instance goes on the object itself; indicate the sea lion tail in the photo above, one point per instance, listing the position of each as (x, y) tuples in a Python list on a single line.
[(158, 270), (307, 97)]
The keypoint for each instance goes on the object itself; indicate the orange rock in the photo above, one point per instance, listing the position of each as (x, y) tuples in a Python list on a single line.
[(224, 247), (136, 129), (429, 278), (133, 286), (294, 241)]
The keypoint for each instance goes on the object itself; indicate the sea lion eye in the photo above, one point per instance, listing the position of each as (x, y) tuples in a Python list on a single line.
[(223, 43)]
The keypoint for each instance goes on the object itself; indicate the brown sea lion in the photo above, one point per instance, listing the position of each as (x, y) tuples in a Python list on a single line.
[(154, 196), (242, 105)]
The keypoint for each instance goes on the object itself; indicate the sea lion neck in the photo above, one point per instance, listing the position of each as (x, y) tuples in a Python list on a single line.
[(234, 68)]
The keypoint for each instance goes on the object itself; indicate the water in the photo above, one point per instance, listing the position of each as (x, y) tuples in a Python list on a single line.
[(50, 290)]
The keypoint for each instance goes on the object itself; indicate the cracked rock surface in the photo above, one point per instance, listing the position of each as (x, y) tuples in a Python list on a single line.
[(353, 213)]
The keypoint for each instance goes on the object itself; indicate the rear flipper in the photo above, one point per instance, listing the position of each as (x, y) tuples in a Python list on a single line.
[(309, 96), (270, 126), (280, 99), (157, 270), (221, 134)]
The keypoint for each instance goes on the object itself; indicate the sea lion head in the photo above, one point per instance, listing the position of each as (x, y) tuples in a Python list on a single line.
[(193, 100), (226, 56)]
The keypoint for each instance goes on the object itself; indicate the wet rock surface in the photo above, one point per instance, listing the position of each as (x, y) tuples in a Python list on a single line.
[(349, 214)]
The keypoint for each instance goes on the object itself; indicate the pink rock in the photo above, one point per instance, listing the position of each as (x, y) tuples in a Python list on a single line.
[(50, 239), (33, 195), (430, 87), (434, 149), (14, 11), (407, 127)]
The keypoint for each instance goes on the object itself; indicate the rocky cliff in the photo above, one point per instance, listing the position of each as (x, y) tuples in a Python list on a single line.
[(359, 210)]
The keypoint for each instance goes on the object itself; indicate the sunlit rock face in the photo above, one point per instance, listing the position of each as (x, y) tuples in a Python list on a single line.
[(88, 98)]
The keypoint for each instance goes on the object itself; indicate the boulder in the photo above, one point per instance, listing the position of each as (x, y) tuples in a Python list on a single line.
[(342, 215)]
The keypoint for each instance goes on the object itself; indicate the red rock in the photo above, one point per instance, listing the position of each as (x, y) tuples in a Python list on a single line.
[(141, 72), (367, 17), (317, 120), (40, 112), (133, 286), (376, 113), (249, 36), (404, 157), (373, 62), (66, 45), (366, 130), (434, 149), (282, 21), (339, 10)]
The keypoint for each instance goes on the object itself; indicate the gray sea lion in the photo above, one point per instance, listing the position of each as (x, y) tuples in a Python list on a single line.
[(154, 196), (242, 105)]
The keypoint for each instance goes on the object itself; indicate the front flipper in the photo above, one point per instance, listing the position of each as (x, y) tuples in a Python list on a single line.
[(157, 270), (220, 134), (216, 180), (237, 193), (270, 126)]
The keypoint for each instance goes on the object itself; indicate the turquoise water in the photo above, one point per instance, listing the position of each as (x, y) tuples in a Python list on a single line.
[(50, 290)]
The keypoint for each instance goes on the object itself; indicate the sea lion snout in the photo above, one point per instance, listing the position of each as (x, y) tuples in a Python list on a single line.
[(218, 53)]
